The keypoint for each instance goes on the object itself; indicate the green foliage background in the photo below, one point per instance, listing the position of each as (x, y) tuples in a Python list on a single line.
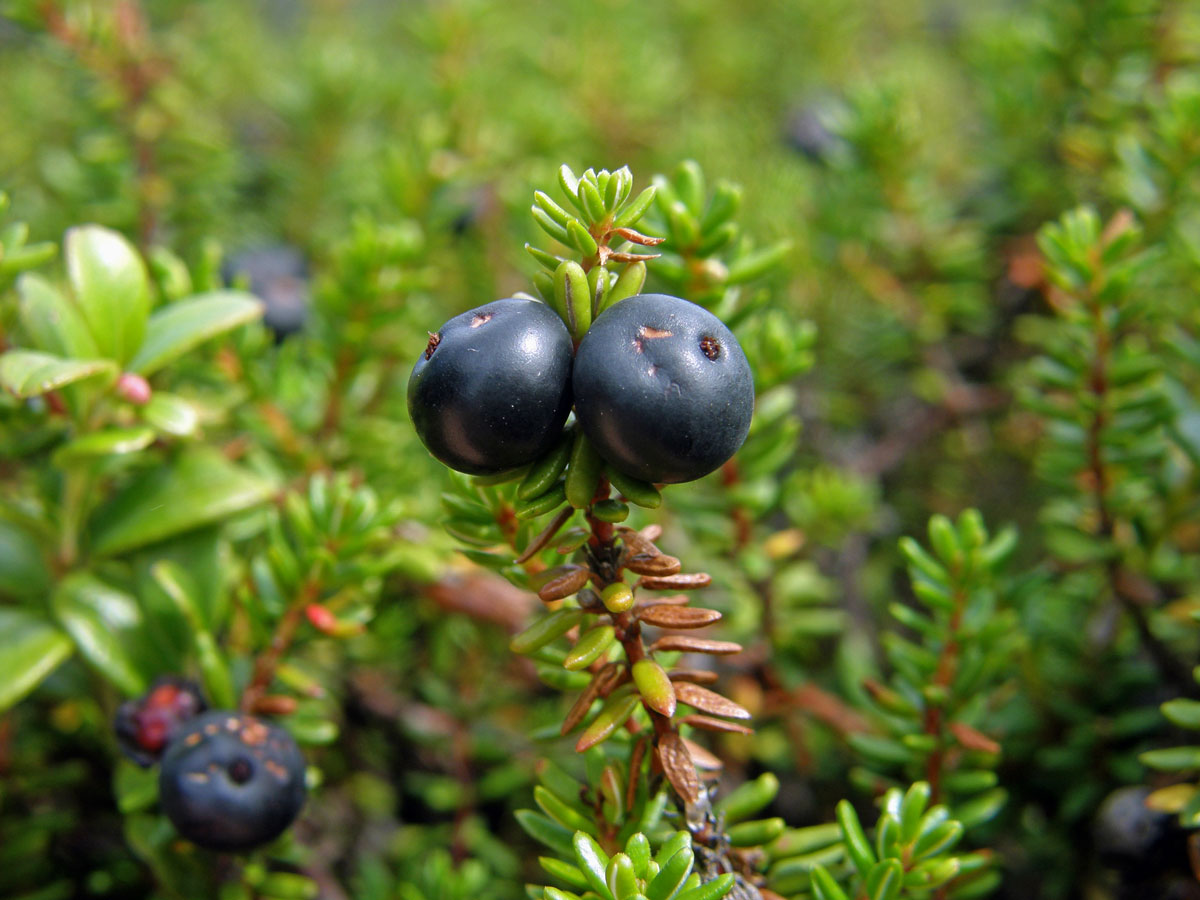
[(925, 347)]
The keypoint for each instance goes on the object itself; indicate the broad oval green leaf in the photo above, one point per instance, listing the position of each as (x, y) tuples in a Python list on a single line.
[(182, 326), (28, 373), (101, 620), (111, 287), (109, 442), (53, 321), (30, 649), (199, 551), (171, 414), (592, 862), (545, 830), (1183, 712), (198, 488), (175, 581), (1172, 759), (23, 570)]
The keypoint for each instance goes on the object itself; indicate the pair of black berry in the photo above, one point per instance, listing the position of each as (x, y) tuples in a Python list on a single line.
[(659, 385), (227, 781)]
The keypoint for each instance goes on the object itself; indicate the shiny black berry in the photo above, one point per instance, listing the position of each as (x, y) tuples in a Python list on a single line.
[(492, 388), (146, 725), (662, 389), (231, 782)]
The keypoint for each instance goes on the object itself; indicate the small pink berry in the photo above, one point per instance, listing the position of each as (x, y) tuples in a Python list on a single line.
[(321, 618), (134, 388)]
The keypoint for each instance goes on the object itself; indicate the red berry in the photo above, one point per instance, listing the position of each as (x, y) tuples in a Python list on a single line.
[(145, 726)]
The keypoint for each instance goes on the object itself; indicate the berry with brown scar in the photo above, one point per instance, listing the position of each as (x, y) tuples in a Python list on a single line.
[(662, 389), (231, 782), (492, 388)]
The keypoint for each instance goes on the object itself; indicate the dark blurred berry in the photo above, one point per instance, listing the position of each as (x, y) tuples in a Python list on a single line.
[(232, 782), (279, 277), (1128, 834), (146, 725), (808, 132), (458, 208)]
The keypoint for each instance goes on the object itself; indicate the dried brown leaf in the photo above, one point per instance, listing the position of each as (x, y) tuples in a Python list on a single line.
[(484, 596), (709, 701), (677, 765), (539, 579), (565, 584), (638, 544), (644, 564), (687, 644), (829, 708), (638, 238), (973, 739), (696, 676), (708, 723), (579, 709), (636, 755), (678, 582), (669, 616), (545, 536), (703, 758)]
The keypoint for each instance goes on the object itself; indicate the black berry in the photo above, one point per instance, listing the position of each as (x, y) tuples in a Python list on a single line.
[(662, 389), (278, 276), (491, 389), (146, 725), (1129, 834), (231, 782)]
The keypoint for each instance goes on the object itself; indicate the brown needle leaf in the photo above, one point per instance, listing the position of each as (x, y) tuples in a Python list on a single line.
[(637, 543), (545, 536), (677, 765), (637, 237), (571, 579), (973, 739), (686, 644), (579, 709), (709, 701), (702, 758), (696, 676), (675, 582), (708, 723), (678, 616), (633, 257), (635, 770), (661, 564)]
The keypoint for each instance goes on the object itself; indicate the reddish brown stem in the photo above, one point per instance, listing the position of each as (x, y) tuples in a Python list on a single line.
[(943, 677), (285, 632), (626, 625), (1171, 668)]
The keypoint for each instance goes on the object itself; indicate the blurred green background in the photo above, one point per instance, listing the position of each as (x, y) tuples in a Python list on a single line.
[(908, 151)]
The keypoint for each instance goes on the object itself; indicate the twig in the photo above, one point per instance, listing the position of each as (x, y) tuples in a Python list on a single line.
[(1171, 668), (285, 632)]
